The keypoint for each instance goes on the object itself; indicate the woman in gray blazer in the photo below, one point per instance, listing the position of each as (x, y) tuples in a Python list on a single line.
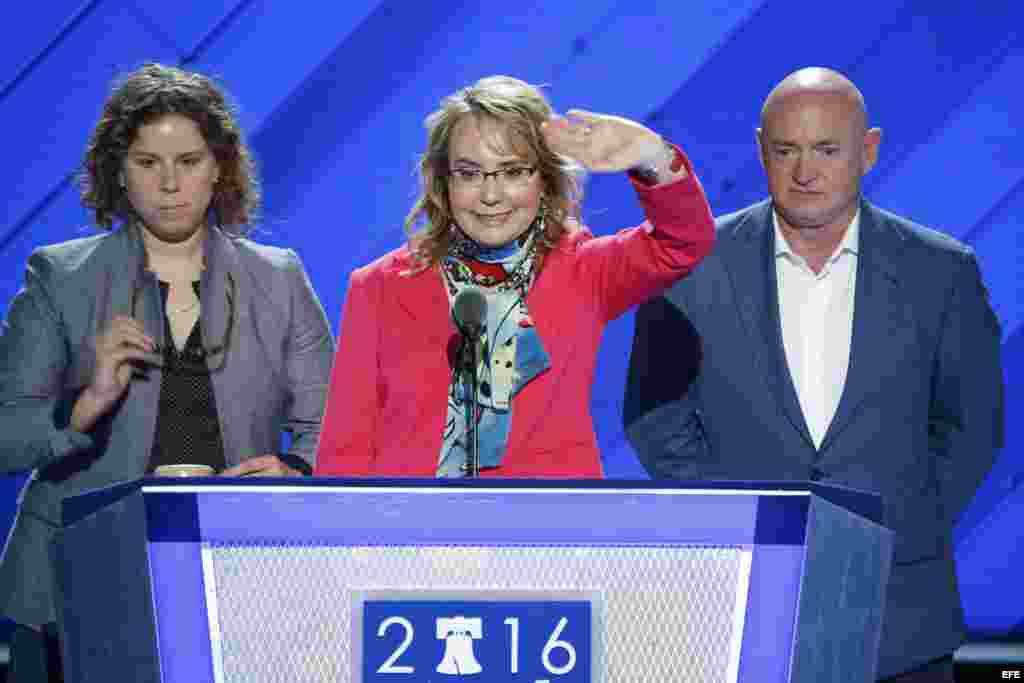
[(171, 339)]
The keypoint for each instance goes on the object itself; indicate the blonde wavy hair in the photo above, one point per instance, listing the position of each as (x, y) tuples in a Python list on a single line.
[(521, 109)]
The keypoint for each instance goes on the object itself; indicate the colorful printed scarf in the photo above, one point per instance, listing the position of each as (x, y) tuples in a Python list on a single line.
[(510, 353)]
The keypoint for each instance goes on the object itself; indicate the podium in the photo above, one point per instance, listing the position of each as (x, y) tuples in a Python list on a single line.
[(225, 580)]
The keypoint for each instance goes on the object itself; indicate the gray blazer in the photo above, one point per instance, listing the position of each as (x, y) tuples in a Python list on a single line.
[(920, 418), (274, 377)]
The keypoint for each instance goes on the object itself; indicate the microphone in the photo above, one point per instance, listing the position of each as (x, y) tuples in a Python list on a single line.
[(469, 311)]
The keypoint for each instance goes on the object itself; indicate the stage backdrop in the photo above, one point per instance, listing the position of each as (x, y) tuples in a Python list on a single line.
[(333, 97)]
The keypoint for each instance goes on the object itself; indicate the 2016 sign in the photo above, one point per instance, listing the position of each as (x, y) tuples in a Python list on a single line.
[(416, 641)]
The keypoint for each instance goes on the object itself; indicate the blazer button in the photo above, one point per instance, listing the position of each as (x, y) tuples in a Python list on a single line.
[(817, 474)]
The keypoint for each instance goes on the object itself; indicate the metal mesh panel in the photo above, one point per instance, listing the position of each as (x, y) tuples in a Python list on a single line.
[(661, 614)]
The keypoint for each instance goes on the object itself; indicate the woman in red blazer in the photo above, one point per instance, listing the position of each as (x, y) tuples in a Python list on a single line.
[(498, 212)]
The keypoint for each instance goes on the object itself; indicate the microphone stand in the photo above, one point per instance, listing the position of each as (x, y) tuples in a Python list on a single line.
[(472, 406)]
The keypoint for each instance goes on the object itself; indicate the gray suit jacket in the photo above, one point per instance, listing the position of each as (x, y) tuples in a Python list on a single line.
[(920, 418), (274, 377)]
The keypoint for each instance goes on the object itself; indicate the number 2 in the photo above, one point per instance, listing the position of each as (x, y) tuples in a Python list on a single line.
[(388, 667)]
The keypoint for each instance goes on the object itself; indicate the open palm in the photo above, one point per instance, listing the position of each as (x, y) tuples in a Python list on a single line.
[(601, 142)]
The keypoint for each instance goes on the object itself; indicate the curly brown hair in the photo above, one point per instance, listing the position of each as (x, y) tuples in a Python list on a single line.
[(144, 95), (521, 109)]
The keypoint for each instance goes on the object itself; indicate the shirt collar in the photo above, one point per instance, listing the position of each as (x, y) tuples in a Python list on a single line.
[(850, 242)]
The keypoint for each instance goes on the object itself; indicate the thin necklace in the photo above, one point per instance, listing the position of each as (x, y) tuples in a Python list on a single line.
[(183, 309)]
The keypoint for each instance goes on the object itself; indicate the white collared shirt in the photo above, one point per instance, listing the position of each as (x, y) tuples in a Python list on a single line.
[(816, 310)]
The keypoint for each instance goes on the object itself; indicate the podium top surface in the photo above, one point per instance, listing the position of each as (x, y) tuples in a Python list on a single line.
[(737, 511)]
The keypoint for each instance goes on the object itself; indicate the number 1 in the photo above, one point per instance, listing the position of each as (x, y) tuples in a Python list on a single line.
[(513, 622)]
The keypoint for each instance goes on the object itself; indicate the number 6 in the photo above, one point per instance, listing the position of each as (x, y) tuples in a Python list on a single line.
[(554, 643)]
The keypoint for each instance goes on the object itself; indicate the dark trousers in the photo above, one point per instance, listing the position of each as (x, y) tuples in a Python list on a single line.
[(35, 656), (936, 671)]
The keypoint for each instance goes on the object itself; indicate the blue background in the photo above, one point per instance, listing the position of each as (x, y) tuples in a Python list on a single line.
[(333, 96)]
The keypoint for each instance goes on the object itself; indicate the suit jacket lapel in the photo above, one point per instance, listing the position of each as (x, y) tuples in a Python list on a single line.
[(750, 262), (425, 302), (140, 285), (429, 306), (139, 294), (221, 269), (224, 290), (876, 312)]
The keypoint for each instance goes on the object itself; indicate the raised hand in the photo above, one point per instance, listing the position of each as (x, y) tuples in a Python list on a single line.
[(120, 349), (603, 143)]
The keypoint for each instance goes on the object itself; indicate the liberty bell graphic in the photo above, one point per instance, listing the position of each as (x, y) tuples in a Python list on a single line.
[(458, 634)]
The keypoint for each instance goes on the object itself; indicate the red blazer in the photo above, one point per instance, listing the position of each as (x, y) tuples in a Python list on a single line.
[(387, 401)]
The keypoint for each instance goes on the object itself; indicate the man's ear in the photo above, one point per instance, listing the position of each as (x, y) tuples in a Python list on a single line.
[(760, 147), (872, 140)]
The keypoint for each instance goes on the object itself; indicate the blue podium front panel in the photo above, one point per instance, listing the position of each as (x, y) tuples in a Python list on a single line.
[(658, 613), (688, 584), (522, 582)]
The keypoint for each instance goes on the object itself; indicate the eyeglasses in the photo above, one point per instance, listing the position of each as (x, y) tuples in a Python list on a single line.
[(513, 176), (197, 361)]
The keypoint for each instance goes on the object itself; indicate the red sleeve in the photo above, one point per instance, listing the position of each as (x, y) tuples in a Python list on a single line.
[(347, 445), (633, 265)]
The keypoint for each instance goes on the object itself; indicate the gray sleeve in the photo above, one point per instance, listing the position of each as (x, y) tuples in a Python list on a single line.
[(966, 420), (35, 409), (661, 408), (307, 364)]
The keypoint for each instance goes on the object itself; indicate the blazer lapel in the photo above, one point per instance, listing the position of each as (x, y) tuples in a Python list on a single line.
[(424, 302), (138, 295), (556, 322), (218, 291), (223, 296), (429, 306), (877, 313), (750, 262)]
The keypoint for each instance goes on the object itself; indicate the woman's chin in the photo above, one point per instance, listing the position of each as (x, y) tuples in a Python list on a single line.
[(494, 238), (170, 232)]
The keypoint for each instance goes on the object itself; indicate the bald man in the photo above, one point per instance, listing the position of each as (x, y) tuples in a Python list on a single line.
[(825, 339)]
